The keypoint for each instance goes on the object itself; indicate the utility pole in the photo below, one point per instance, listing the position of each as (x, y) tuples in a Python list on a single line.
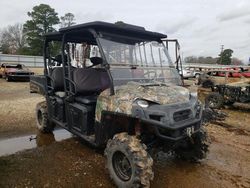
[(222, 49)]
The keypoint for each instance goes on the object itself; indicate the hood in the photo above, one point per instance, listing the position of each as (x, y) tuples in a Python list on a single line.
[(161, 94), (125, 96), (16, 70), (158, 93)]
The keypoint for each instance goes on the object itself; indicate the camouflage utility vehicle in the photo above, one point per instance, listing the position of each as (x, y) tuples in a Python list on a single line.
[(118, 89)]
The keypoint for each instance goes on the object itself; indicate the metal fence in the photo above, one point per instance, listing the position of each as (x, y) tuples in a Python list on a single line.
[(200, 65), (29, 61), (37, 61)]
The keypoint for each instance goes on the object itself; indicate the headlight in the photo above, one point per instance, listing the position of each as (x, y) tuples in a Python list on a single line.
[(194, 94), (142, 103)]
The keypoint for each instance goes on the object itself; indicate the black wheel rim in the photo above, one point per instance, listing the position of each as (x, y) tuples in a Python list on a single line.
[(39, 117), (122, 166)]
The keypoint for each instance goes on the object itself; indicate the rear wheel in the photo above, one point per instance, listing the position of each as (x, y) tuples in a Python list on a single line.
[(197, 75), (7, 79), (208, 84), (194, 148), (42, 121), (128, 162), (214, 100)]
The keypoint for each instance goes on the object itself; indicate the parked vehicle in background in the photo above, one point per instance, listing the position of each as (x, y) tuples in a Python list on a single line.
[(15, 72), (191, 73), (236, 72), (208, 79), (196, 73), (187, 73), (229, 94)]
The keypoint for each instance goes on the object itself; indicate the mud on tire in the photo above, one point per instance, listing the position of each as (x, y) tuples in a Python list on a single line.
[(128, 162), (42, 121), (214, 100), (195, 148)]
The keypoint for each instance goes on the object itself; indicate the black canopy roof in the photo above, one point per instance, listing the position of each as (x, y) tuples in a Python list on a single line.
[(53, 36), (122, 32)]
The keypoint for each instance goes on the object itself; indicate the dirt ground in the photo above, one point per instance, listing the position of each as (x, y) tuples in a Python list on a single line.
[(17, 108), (71, 163)]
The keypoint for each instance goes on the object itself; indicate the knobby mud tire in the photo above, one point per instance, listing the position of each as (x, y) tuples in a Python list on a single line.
[(42, 121), (140, 161), (214, 100), (195, 148)]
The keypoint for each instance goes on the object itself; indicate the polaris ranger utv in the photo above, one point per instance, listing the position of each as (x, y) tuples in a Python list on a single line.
[(118, 89)]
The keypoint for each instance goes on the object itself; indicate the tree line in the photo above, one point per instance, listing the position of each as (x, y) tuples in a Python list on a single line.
[(27, 38), (224, 58)]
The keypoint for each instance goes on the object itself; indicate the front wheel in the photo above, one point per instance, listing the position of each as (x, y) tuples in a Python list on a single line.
[(128, 162), (42, 121), (193, 148)]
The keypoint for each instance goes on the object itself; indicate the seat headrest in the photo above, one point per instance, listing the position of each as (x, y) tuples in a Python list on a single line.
[(96, 60), (58, 58), (89, 81), (57, 78)]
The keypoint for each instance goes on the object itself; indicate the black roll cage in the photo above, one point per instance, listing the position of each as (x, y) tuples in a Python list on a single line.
[(178, 61), (69, 76), (91, 35)]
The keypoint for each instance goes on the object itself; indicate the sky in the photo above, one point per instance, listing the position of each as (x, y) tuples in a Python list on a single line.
[(201, 26)]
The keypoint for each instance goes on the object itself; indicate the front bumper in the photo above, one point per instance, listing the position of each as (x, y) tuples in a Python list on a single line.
[(174, 133), (19, 76), (171, 122)]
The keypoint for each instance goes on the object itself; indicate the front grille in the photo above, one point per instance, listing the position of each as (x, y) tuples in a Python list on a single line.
[(155, 117), (181, 115)]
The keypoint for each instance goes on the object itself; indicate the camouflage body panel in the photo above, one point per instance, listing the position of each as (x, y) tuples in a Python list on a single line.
[(125, 96)]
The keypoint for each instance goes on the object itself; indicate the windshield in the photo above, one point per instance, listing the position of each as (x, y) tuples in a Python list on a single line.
[(144, 62)]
